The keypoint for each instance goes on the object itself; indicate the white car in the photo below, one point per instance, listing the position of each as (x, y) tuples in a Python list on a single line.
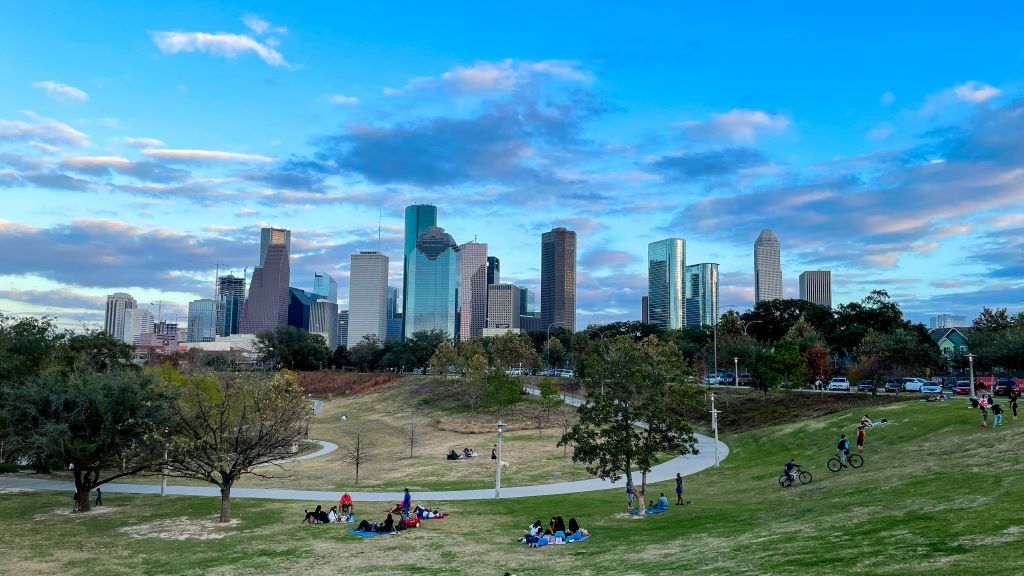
[(839, 383), (914, 384)]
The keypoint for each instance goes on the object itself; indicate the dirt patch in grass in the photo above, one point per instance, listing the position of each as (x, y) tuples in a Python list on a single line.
[(15, 490), (94, 511), (182, 528)]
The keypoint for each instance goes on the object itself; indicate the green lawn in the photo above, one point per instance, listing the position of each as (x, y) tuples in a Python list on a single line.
[(937, 494)]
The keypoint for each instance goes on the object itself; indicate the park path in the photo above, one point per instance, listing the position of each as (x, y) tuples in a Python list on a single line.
[(685, 465)]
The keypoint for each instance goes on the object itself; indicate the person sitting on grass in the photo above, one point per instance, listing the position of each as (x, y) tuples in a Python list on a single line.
[(346, 503), (469, 453), (388, 525), (322, 517), (365, 526), (661, 503), (575, 532), (453, 455), (332, 515)]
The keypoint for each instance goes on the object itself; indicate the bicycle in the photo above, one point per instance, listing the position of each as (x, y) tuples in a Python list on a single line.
[(853, 460), (802, 475)]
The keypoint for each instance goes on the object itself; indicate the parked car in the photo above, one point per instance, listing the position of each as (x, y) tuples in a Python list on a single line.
[(931, 388), (839, 383), (963, 387), (566, 373), (1003, 386), (866, 386), (913, 384), (893, 386)]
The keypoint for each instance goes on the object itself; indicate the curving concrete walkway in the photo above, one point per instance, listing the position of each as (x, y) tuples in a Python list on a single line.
[(685, 465)]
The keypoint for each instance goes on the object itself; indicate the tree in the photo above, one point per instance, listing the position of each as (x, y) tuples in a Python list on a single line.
[(366, 355), (225, 428), (818, 362), (293, 349), (554, 352), (803, 335), (510, 350), (770, 320), (501, 391), (444, 357), (646, 382), (96, 351), (550, 397), (413, 427), (781, 364), (422, 345), (339, 358), (357, 452), (28, 347)]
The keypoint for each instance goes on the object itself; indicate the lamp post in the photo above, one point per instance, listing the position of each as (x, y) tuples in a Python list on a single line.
[(497, 469), (736, 369), (716, 343), (747, 325), (163, 466), (970, 359), (714, 425)]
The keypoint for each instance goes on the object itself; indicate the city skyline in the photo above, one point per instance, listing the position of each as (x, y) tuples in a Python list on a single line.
[(152, 169)]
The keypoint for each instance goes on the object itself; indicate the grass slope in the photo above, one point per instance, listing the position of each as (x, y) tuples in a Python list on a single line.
[(937, 495)]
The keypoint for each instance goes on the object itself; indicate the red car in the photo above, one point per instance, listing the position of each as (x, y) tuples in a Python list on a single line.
[(963, 387)]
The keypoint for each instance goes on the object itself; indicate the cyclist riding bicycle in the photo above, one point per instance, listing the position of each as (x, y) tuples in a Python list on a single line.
[(791, 467), (842, 449)]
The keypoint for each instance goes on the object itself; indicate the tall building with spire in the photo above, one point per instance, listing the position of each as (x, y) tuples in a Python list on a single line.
[(266, 308), (666, 292), (434, 280), (767, 267), (113, 322), (473, 296), (418, 219), (558, 279), (368, 297)]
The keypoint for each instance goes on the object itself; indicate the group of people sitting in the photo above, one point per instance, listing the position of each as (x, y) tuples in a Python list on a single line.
[(466, 453), (385, 527), (319, 516), (659, 504), (556, 533)]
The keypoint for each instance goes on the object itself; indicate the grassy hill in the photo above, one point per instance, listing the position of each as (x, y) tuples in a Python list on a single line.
[(937, 495)]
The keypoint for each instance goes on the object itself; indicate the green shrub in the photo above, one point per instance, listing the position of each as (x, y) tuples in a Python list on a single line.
[(7, 468)]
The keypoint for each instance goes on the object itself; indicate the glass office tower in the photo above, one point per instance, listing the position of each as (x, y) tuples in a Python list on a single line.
[(666, 263), (433, 282)]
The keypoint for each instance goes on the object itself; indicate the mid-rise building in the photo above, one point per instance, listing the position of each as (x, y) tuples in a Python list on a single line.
[(947, 321), (558, 278), (394, 316), (701, 294), (503, 306), (113, 322), (323, 320), (527, 302), (202, 320), (325, 286), (816, 287), (136, 323), (300, 306), (343, 328), (418, 219), (272, 236), (493, 270), (666, 293), (767, 267), (435, 277), (368, 297), (231, 294), (473, 296), (266, 308)]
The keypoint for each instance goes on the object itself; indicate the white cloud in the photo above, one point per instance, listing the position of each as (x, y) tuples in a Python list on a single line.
[(737, 125), (887, 99), (63, 92), (880, 132), (976, 92), (260, 26), (342, 100), (42, 130), (114, 162), (219, 44), (501, 76), (205, 156), (143, 142)]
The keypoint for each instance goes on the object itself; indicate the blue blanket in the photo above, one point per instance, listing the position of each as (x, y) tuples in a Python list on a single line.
[(634, 511), (362, 534)]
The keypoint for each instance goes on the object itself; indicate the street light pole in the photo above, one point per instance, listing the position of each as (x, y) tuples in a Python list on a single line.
[(497, 468), (736, 369), (970, 358), (747, 325), (716, 343), (714, 425)]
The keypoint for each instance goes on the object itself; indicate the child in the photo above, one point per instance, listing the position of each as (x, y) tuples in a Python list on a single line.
[(860, 438), (983, 405), (997, 415)]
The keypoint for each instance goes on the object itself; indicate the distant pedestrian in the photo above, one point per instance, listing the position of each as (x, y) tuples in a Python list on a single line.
[(99, 496), (860, 438), (1013, 402), (494, 452), (817, 384), (983, 406), (629, 495), (997, 415), (406, 503), (679, 489), (78, 503)]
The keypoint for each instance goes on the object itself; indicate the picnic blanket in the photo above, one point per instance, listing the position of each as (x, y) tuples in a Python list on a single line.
[(364, 534), (634, 511), (572, 538)]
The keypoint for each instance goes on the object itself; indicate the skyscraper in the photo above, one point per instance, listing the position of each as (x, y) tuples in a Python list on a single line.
[(368, 297), (113, 322), (432, 296), (527, 301), (418, 219), (493, 270), (323, 320), (816, 287), (343, 328), (266, 308), (394, 315), (136, 323), (503, 306), (231, 294), (947, 321), (558, 278), (767, 267), (202, 320), (644, 318), (473, 297), (325, 286), (666, 294), (701, 294), (300, 304), (271, 236)]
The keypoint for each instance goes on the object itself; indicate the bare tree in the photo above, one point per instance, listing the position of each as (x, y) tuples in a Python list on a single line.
[(357, 452), (566, 412), (412, 435), (227, 428)]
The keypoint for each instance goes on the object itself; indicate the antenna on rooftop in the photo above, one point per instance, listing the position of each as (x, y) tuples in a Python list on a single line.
[(378, 229)]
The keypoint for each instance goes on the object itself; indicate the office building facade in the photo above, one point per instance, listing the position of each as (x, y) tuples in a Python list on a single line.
[(644, 318), (493, 270), (343, 328), (202, 320), (231, 294), (418, 219), (947, 321), (473, 293), (816, 287), (113, 322), (666, 293), (266, 308), (300, 304), (368, 297), (274, 236), (701, 294), (136, 323), (767, 267), (435, 278), (325, 286), (503, 306), (323, 320), (558, 278)]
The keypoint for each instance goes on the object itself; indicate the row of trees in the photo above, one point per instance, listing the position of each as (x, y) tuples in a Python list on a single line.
[(77, 402), (998, 340)]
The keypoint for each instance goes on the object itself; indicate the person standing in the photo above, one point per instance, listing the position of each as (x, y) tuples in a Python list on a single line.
[(99, 496), (406, 503), (629, 495), (494, 452), (997, 415), (860, 438), (1014, 395), (983, 406), (679, 489)]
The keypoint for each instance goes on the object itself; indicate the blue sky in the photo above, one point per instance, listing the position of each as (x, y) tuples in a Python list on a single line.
[(140, 145)]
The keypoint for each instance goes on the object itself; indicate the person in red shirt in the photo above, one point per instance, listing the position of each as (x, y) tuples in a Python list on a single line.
[(346, 503), (860, 438)]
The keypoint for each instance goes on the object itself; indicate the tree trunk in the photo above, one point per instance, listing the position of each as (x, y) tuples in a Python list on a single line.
[(82, 490), (357, 470), (225, 503)]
